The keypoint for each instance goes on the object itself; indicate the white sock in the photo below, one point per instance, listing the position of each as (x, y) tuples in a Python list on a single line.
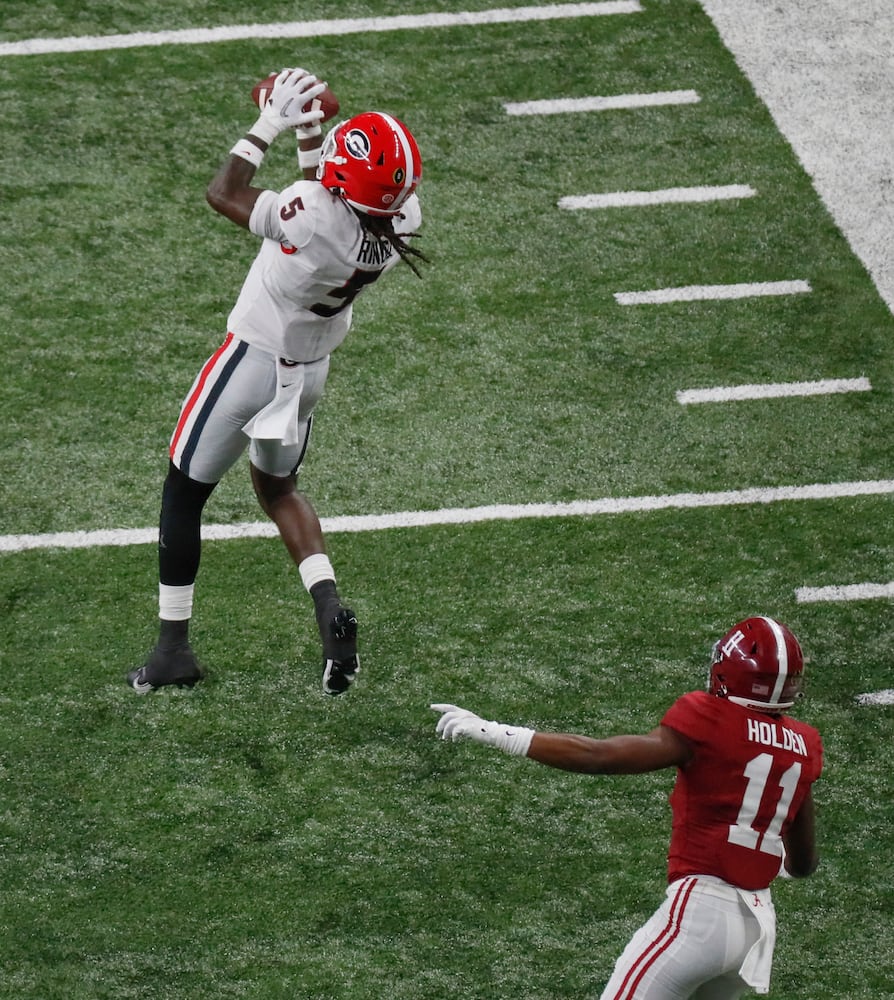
[(175, 603), (315, 568)]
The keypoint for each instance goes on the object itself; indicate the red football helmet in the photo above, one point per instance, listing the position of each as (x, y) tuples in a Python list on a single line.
[(372, 161), (758, 664)]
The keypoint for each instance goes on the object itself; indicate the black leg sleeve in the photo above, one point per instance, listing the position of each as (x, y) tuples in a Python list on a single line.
[(179, 533)]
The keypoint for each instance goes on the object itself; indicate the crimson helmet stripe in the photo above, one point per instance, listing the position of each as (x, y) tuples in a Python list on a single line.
[(412, 167), (781, 656)]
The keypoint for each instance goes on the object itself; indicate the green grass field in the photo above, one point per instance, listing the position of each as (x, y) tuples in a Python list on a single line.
[(254, 839)]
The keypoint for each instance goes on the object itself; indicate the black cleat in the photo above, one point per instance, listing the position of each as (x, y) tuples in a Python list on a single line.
[(340, 660), (173, 666), (338, 675)]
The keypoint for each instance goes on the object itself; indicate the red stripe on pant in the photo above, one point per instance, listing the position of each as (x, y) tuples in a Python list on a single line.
[(190, 404), (661, 943)]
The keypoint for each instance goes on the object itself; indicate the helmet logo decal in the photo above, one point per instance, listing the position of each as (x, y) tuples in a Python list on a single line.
[(398, 175), (733, 642), (357, 144)]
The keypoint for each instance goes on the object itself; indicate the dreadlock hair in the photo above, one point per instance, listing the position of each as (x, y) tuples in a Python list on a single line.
[(381, 227)]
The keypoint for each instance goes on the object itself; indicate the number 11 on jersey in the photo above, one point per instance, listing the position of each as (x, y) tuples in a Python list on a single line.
[(743, 832)]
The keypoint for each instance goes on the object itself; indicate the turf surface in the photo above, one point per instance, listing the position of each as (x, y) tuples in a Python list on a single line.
[(254, 839)]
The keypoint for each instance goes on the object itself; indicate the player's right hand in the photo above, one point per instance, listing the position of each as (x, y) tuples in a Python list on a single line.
[(289, 105), (456, 722)]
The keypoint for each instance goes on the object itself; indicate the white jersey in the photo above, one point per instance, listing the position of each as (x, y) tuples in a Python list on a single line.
[(296, 301)]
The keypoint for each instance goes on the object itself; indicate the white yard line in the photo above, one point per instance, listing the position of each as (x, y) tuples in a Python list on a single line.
[(564, 105), (466, 515), (848, 592), (885, 697), (696, 293), (773, 390), (665, 196), (316, 29)]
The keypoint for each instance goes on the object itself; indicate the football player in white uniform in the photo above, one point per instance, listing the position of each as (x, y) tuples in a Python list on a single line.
[(324, 239)]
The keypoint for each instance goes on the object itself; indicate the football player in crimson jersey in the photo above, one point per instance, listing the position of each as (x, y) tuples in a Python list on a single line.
[(742, 813), (325, 238)]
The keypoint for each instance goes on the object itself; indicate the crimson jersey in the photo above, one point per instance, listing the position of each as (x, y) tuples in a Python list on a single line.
[(735, 799)]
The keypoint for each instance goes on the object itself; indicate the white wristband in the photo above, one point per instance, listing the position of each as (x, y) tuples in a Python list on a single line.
[(309, 158), (308, 131), (264, 129), (248, 151), (513, 740)]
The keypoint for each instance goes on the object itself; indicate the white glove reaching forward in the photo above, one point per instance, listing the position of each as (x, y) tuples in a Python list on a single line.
[(456, 723), (292, 91)]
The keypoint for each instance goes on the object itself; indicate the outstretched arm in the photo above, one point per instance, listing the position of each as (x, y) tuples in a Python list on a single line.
[(662, 747)]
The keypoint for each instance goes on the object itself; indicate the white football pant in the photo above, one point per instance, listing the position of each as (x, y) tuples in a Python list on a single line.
[(707, 941)]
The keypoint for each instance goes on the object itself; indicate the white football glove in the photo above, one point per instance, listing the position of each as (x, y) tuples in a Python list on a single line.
[(456, 723), (292, 90)]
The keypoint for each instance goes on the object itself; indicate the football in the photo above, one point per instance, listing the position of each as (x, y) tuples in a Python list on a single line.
[(260, 94)]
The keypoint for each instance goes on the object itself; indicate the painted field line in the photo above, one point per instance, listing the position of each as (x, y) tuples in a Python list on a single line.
[(667, 196), (773, 390), (876, 698), (316, 29), (696, 293), (466, 515), (564, 105), (849, 592)]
